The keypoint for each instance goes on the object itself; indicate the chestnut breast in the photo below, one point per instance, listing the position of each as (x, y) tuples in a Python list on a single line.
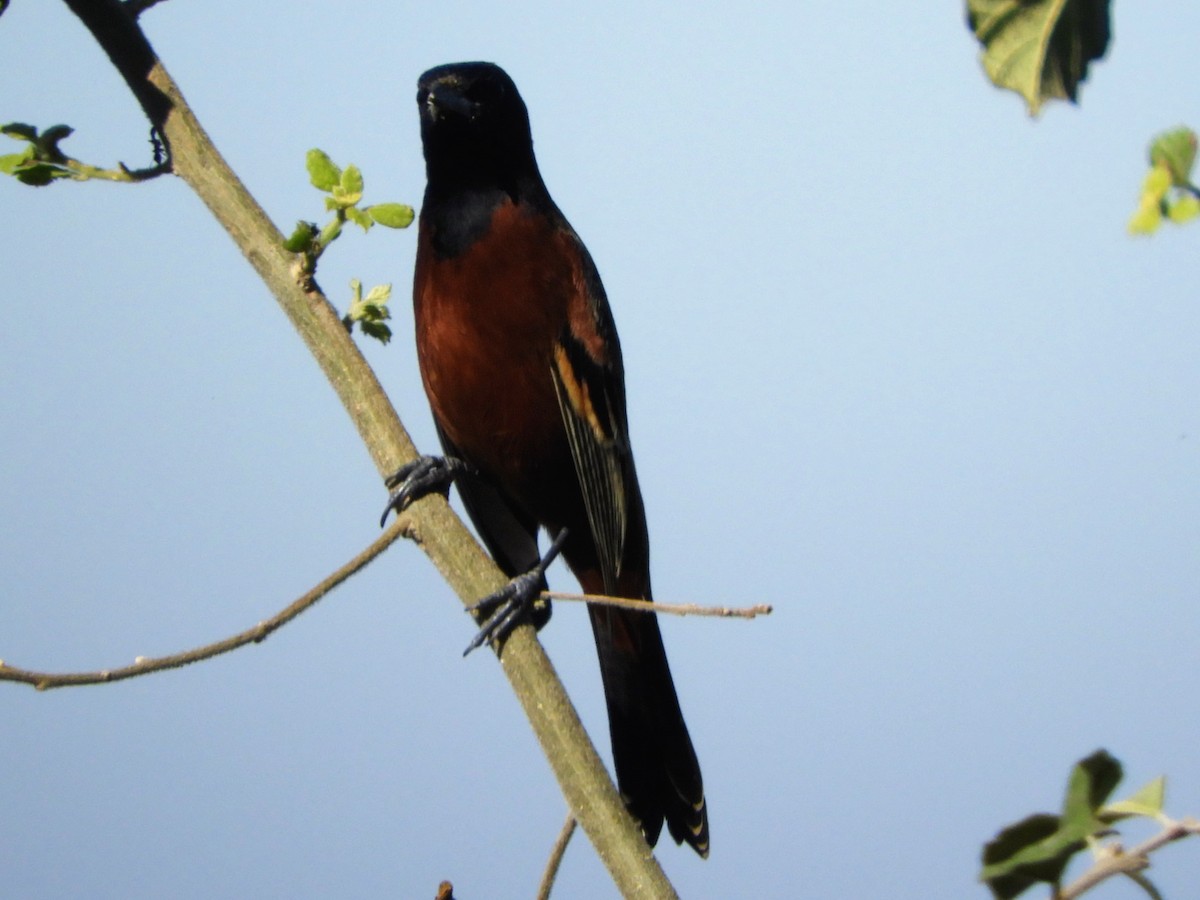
[(487, 321)]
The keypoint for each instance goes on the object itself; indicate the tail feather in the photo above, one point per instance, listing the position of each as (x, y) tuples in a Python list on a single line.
[(657, 770)]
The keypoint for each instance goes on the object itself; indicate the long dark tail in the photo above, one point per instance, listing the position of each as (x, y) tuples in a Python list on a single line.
[(657, 770)]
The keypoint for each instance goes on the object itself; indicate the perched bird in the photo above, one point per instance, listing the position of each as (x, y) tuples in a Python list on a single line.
[(520, 359)]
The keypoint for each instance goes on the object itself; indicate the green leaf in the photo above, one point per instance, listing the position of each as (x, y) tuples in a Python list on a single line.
[(322, 171), (1092, 780), (1146, 802), (338, 200), (1023, 855), (369, 312), (349, 189), (1146, 220), (1039, 847), (359, 218), (56, 133), (352, 180), (20, 131), (47, 142), (379, 295), (1149, 213), (1157, 183), (38, 174), (1040, 48), (391, 215), (1175, 150), (1184, 209), (301, 238), (10, 162), (377, 330)]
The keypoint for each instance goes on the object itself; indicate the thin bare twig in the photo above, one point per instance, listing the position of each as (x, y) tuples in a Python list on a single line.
[(145, 665), (675, 609), (556, 857), (1134, 860)]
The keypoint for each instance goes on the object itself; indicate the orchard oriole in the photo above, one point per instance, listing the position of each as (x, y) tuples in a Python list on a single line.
[(520, 360)]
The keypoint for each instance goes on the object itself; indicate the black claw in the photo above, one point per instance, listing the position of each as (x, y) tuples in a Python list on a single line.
[(517, 598), (424, 475)]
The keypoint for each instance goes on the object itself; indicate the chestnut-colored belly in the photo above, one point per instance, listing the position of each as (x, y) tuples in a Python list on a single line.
[(487, 322)]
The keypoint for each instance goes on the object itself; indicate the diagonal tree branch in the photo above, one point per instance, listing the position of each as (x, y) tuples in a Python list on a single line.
[(582, 778)]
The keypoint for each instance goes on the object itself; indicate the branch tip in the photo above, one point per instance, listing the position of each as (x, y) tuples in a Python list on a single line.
[(675, 609)]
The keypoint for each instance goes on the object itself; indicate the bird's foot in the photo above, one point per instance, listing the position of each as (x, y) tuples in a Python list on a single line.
[(424, 475), (504, 609)]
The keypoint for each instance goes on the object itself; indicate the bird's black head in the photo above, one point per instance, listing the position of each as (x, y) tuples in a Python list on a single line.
[(475, 129)]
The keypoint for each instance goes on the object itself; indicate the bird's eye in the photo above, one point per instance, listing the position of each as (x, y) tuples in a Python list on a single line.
[(485, 93)]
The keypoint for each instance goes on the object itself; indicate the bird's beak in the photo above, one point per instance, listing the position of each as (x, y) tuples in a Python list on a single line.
[(445, 98)]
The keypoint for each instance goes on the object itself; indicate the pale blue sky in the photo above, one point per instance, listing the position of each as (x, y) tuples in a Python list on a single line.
[(894, 366)]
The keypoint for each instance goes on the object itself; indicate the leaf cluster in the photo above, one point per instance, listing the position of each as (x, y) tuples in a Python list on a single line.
[(1168, 191), (40, 161), (343, 188), (370, 312), (1038, 848)]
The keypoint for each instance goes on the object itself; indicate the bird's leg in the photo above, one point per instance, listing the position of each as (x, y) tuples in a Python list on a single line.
[(424, 475), (522, 595)]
